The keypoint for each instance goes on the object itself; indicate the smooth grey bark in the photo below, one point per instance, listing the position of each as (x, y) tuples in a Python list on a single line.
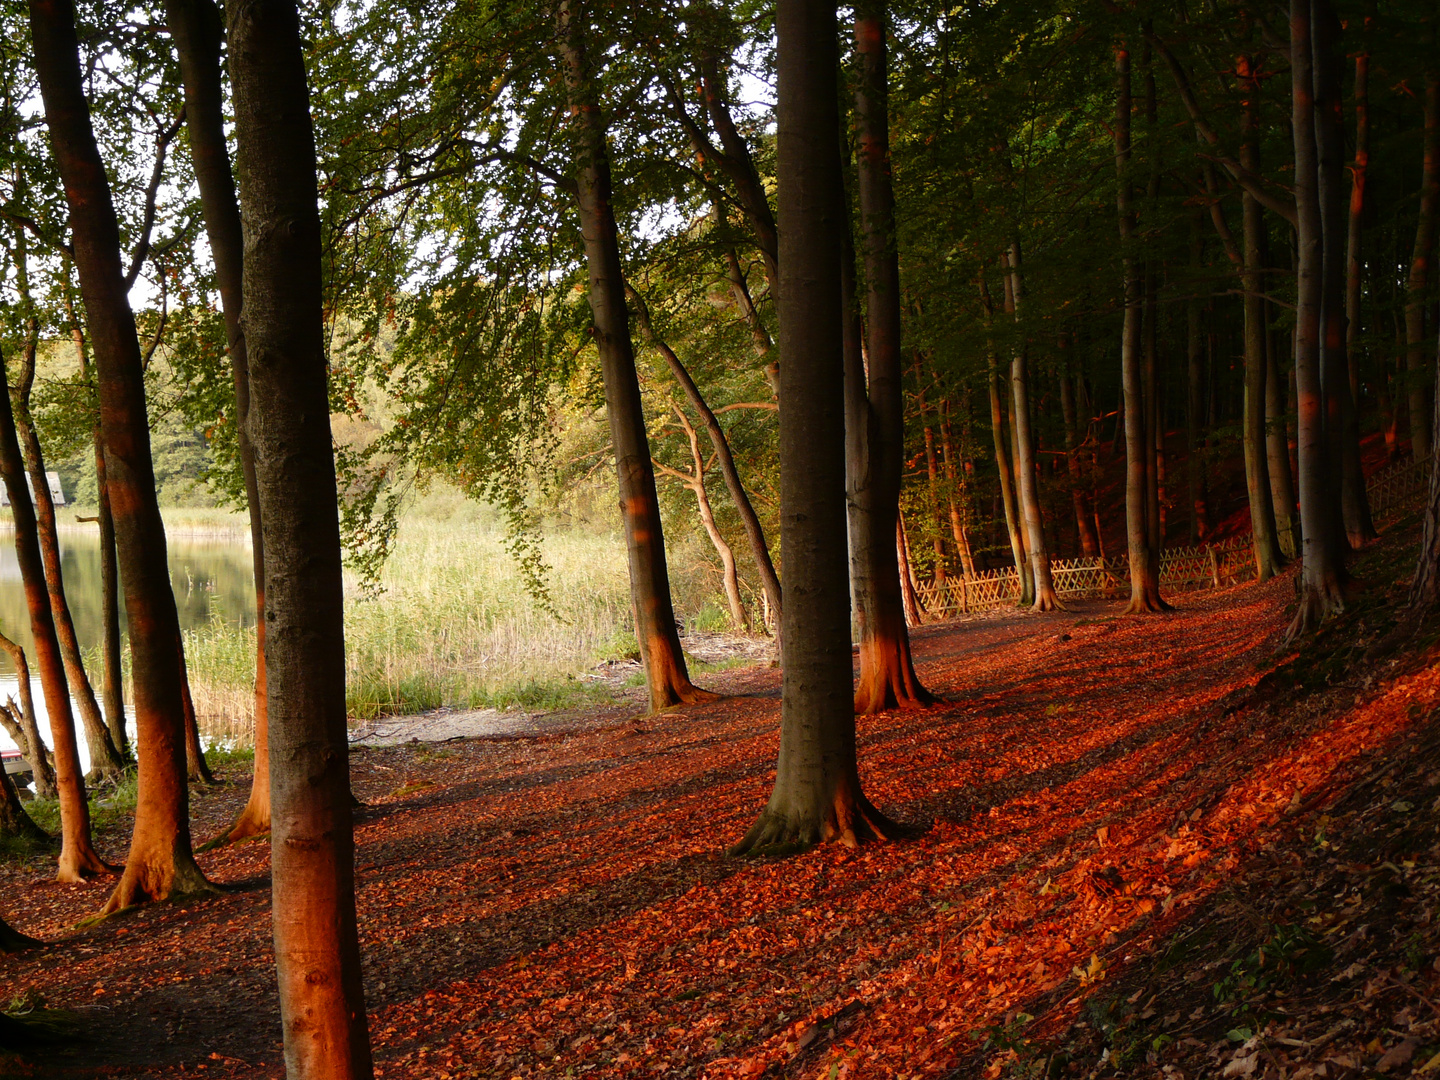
[(817, 793), (312, 853)]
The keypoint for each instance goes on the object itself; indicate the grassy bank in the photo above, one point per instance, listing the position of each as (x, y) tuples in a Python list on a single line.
[(451, 624)]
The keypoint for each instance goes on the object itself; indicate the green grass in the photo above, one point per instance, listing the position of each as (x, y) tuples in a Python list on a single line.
[(452, 624), (110, 804)]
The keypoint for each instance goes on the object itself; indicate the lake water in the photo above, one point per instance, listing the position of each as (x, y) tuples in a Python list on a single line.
[(211, 578)]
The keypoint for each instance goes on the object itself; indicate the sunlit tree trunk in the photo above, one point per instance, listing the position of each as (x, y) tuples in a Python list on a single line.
[(78, 859), (932, 475), (1025, 466), (754, 531), (113, 690), (1324, 577), (695, 481), (817, 794), (874, 399), (160, 863), (312, 857), (1084, 517), (999, 426), (665, 670), (105, 758), (197, 29), (957, 487), (1264, 540), (27, 739), (1144, 574)]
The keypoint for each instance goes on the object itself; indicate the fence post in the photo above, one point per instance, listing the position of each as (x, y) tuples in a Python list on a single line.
[(1214, 567)]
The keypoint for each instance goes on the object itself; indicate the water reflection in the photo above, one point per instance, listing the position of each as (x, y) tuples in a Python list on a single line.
[(211, 578), (208, 576)]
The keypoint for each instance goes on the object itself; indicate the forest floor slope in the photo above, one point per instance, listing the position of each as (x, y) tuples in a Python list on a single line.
[(1150, 846)]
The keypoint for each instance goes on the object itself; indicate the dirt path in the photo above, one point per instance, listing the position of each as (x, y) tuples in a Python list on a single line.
[(555, 903)]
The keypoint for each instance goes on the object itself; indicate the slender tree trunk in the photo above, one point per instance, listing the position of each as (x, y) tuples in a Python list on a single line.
[(1341, 428), (932, 475), (665, 670), (160, 863), (195, 766), (695, 481), (78, 858), (959, 528), (113, 688), (1149, 329), (1144, 577), (1264, 539), (1425, 588), (1194, 402), (1084, 518), (1277, 448), (910, 597), (1324, 578), (105, 759), (317, 953), (33, 747), (1025, 468), (1417, 368), (197, 29), (874, 405), (1359, 527), (817, 794), (754, 531), (1000, 427)]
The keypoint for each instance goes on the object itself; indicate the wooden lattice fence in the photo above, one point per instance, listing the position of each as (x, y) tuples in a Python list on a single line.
[(1208, 566)]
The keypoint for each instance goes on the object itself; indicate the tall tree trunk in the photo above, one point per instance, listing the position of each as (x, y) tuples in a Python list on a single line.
[(113, 689), (1084, 519), (874, 406), (1359, 527), (312, 856), (1417, 369), (78, 859), (1264, 540), (932, 475), (999, 426), (1026, 570), (1144, 574), (695, 481), (817, 794), (754, 531), (1324, 578), (197, 29), (1194, 401), (959, 527), (1025, 468), (914, 613), (1341, 429), (1149, 327), (160, 863), (105, 759), (665, 671), (42, 767)]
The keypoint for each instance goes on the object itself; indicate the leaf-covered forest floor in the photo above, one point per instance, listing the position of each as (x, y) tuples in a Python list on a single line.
[(1152, 846)]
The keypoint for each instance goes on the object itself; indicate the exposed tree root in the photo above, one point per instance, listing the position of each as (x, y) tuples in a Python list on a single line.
[(1319, 602), (851, 819), (253, 823), (147, 880), (80, 862), (1046, 600), (13, 941), (887, 675), (676, 693)]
